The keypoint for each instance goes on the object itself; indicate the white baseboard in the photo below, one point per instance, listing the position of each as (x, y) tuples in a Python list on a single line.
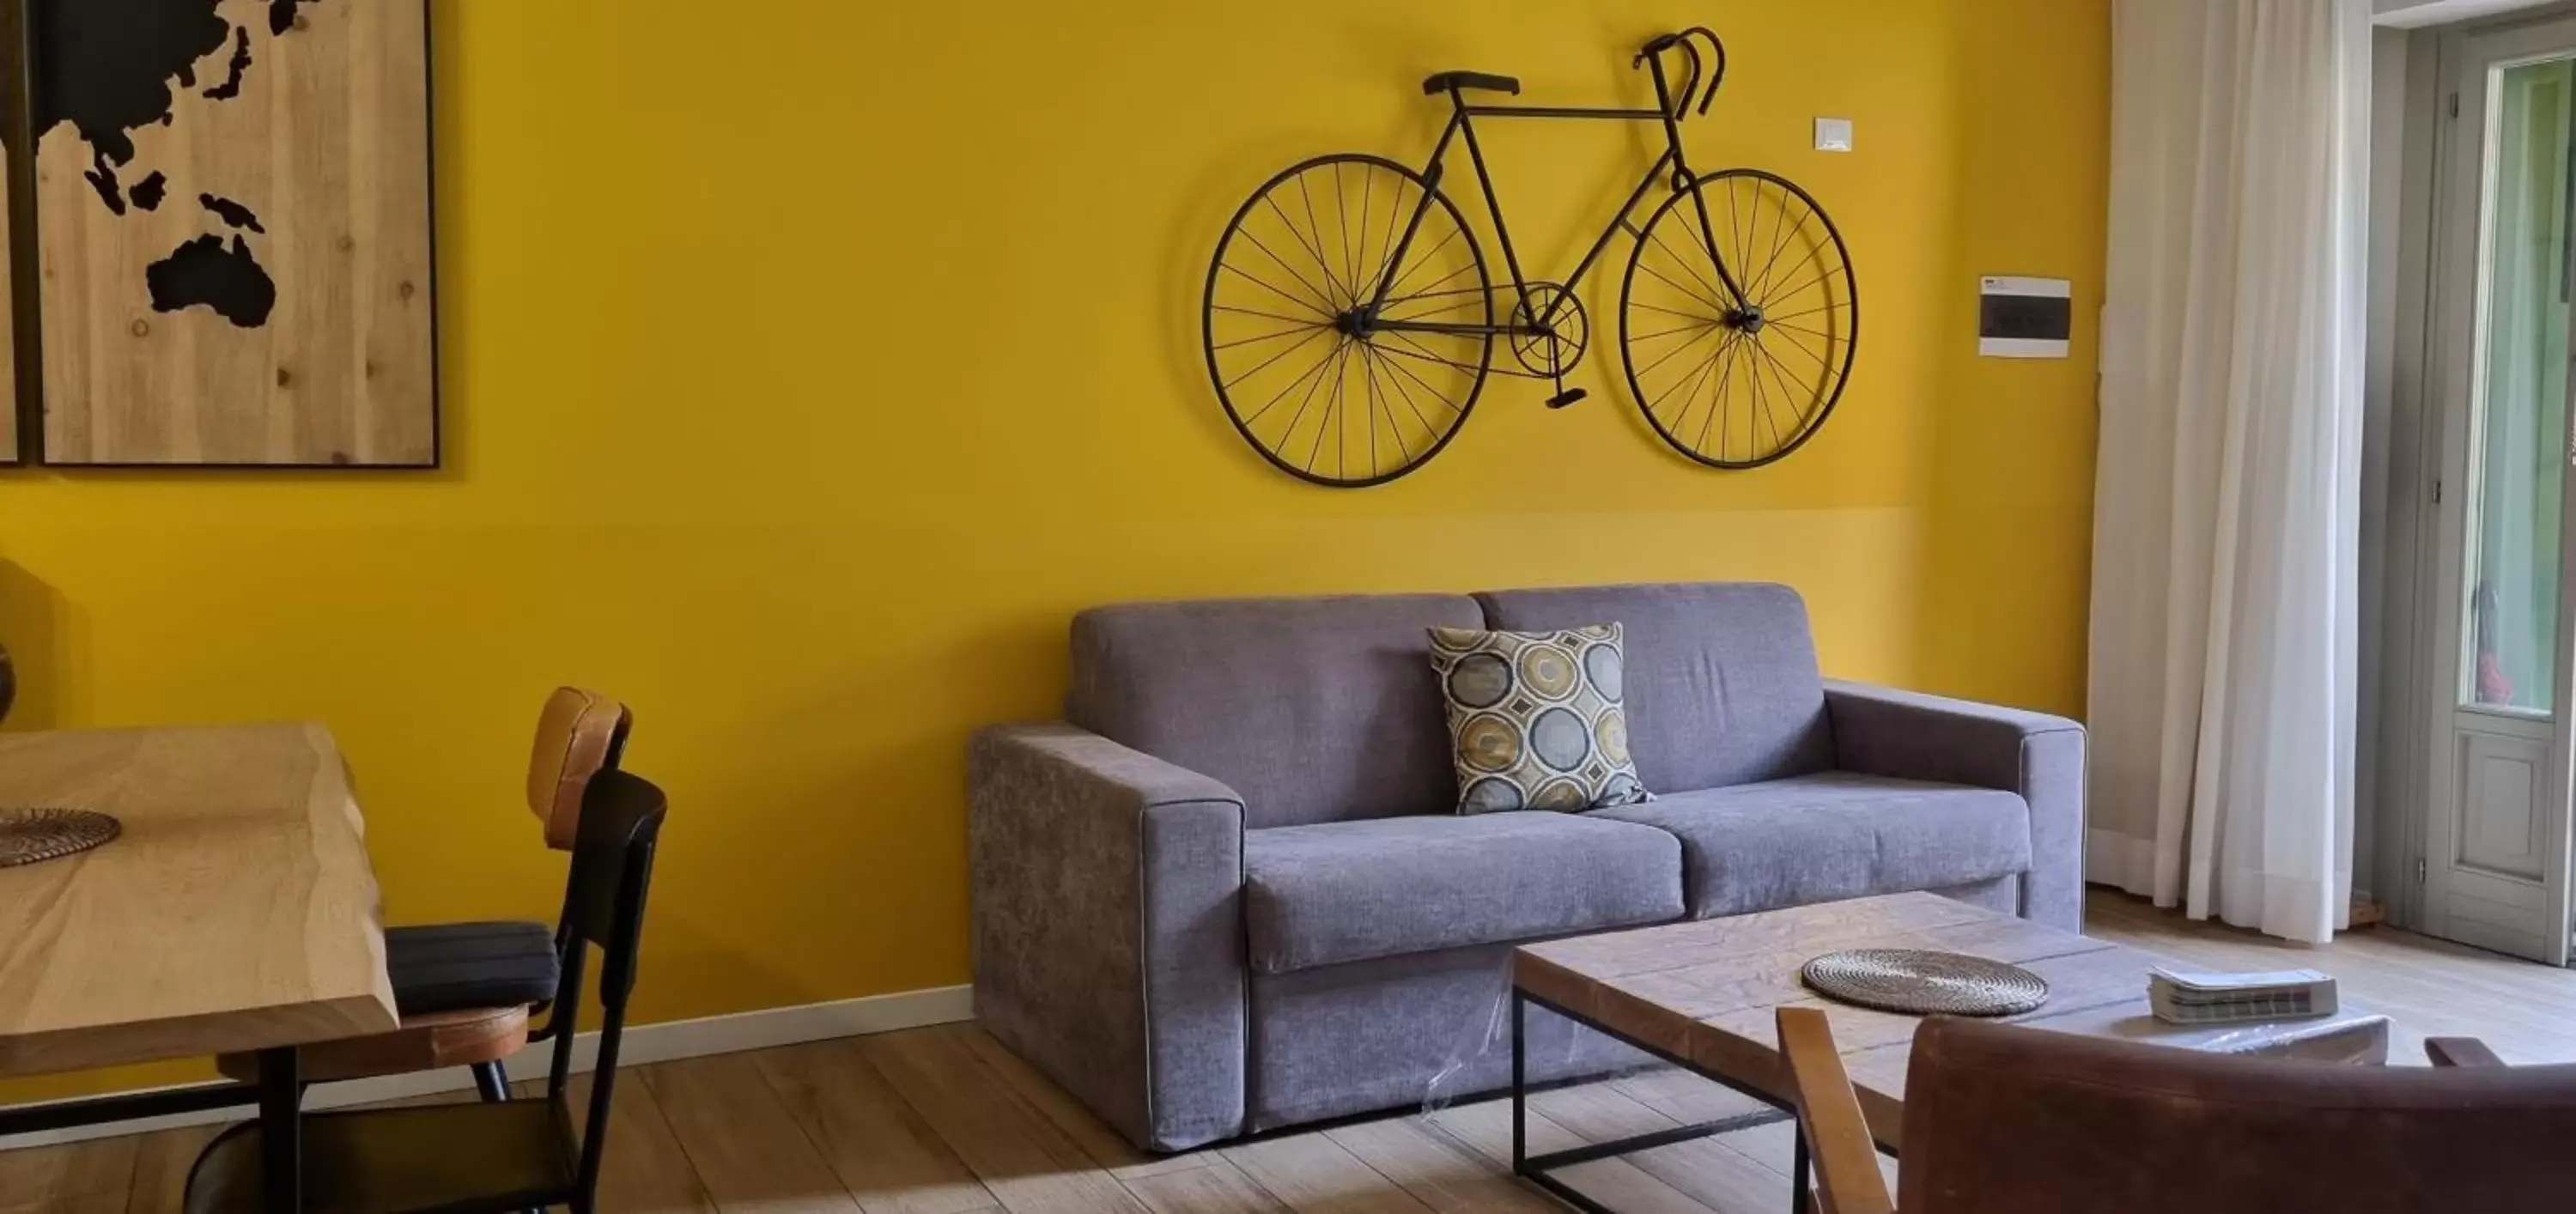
[(644, 1043)]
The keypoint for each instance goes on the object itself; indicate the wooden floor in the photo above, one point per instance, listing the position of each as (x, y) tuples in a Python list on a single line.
[(944, 1121)]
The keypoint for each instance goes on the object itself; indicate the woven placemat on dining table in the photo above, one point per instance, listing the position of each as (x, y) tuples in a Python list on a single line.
[(30, 835)]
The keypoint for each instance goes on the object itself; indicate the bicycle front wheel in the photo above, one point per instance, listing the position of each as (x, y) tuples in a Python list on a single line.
[(1739, 319), (1306, 368)]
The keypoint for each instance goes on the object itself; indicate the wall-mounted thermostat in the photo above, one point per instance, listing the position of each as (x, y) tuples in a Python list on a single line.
[(2024, 317)]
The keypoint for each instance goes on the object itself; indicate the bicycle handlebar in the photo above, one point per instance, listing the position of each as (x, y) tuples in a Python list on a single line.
[(1686, 39)]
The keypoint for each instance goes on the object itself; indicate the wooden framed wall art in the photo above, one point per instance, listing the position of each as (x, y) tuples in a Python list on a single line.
[(231, 233)]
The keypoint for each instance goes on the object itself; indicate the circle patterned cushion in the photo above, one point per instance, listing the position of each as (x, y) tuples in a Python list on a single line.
[(1535, 718)]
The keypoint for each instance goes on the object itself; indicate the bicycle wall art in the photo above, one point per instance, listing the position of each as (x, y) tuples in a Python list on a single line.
[(1351, 317)]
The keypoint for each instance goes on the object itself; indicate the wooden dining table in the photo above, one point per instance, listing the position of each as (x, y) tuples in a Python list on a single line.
[(236, 912)]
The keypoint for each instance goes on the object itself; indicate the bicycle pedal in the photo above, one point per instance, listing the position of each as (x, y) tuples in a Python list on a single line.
[(1567, 397)]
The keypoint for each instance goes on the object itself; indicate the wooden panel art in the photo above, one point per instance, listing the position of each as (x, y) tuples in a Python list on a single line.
[(233, 220)]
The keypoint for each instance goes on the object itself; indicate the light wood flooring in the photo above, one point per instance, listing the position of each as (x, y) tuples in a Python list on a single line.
[(944, 1121)]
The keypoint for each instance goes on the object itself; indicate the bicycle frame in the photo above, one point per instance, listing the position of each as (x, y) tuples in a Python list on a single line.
[(1462, 126)]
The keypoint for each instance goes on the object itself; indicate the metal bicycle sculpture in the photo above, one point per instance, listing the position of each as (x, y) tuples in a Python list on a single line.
[(1350, 319)]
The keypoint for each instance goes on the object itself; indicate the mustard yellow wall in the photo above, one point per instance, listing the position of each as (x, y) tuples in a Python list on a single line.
[(808, 363)]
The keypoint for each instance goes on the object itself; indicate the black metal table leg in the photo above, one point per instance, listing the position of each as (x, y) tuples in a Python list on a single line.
[(1520, 1090), (1800, 1192), (102, 1110), (1537, 1169), (281, 1131)]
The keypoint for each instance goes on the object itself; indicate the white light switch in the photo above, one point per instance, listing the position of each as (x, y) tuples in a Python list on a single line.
[(1833, 134)]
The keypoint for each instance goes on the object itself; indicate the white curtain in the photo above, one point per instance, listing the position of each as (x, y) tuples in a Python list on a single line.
[(2227, 498)]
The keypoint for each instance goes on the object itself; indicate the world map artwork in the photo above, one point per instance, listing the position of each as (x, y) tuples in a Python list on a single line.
[(114, 67), (229, 243)]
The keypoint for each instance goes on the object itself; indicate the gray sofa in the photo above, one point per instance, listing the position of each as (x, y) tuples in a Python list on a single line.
[(1230, 892)]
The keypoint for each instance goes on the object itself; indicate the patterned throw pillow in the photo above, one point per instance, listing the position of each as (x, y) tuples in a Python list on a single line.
[(1535, 720)]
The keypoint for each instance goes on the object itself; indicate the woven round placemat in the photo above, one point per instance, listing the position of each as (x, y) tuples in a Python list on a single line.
[(30, 835), (1923, 983)]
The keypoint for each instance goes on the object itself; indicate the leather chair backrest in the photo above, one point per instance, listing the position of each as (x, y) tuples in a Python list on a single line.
[(2006, 1120), (579, 734)]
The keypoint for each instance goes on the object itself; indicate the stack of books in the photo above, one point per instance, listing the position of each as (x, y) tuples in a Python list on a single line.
[(2182, 997)]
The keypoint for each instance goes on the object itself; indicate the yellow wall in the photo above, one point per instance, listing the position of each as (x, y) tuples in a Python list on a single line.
[(806, 370)]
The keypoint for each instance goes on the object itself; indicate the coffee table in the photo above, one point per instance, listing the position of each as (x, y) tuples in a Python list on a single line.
[(1702, 995)]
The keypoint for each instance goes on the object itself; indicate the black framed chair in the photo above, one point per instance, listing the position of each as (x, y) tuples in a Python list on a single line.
[(495, 1156), (467, 992)]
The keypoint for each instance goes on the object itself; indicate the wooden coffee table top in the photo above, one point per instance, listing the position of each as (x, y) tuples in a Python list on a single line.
[(1705, 992)]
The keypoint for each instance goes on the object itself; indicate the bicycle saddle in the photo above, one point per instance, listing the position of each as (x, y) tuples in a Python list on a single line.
[(1446, 81)]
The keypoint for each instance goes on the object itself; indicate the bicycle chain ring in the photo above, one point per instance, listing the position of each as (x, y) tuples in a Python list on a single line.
[(1557, 350)]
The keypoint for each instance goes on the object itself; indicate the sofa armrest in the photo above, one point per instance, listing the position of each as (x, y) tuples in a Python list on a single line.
[(1908, 735), (1108, 929)]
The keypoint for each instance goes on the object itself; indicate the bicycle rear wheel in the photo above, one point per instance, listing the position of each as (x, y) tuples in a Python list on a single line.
[(1739, 380), (1297, 357)]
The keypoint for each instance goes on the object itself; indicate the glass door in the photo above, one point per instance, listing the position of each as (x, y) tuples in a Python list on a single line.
[(2520, 403), (2496, 839)]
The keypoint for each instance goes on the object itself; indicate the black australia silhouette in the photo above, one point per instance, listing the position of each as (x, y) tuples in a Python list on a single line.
[(206, 272)]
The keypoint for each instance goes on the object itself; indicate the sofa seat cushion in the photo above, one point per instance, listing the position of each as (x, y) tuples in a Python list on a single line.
[(1834, 835), (1350, 891)]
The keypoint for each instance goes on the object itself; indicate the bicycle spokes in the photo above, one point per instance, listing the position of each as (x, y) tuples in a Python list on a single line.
[(1302, 357), (1738, 384)]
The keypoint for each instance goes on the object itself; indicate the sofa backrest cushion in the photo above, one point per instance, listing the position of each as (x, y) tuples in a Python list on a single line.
[(1314, 709), (1722, 685)]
